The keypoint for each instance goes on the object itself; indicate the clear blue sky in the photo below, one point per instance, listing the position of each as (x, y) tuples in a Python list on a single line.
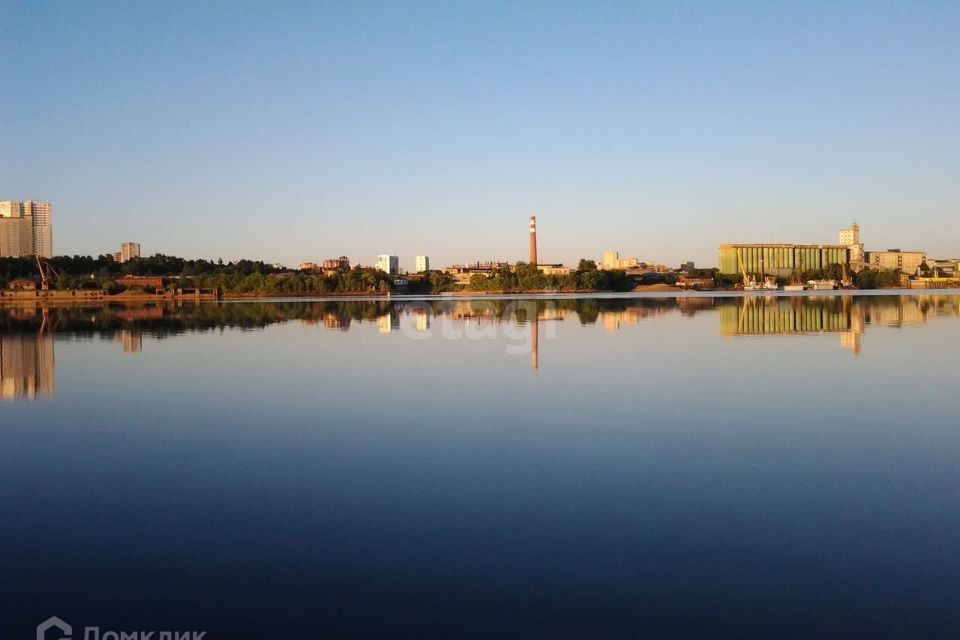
[(289, 132)]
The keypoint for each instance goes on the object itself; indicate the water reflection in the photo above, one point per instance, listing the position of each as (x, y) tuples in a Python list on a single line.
[(845, 315), (27, 334), (26, 366)]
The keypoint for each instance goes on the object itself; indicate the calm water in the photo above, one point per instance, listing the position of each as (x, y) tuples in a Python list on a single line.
[(705, 467)]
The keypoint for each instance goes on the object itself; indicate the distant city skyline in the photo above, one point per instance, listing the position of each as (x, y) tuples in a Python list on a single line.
[(658, 131)]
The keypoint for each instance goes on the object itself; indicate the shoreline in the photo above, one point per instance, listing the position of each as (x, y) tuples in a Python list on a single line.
[(8, 301)]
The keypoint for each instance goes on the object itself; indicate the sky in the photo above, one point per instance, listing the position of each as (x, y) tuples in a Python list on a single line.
[(292, 132)]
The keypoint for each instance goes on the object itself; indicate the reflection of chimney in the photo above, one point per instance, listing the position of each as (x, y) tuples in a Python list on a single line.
[(534, 344), (533, 240)]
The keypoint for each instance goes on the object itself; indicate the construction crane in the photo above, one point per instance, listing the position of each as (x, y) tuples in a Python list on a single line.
[(47, 274), (845, 281)]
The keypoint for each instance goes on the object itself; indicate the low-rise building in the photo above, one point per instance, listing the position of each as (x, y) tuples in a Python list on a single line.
[(944, 268), (612, 260), (337, 264), (896, 260), (698, 284), (22, 284), (554, 270), (463, 272), (141, 282)]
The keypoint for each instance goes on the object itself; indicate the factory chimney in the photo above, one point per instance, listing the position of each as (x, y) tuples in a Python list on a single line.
[(533, 240)]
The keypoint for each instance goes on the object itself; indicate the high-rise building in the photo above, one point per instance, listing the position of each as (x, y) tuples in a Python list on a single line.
[(10, 209), (388, 263), (533, 240), (16, 230), (128, 251), (42, 214), (26, 229), (16, 237), (423, 264), (850, 235), (850, 238)]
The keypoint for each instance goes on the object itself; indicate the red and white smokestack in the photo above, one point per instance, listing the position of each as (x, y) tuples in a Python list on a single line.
[(533, 240)]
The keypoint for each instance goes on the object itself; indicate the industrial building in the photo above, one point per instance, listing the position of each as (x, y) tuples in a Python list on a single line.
[(850, 238), (463, 272), (903, 261), (780, 260), (612, 260)]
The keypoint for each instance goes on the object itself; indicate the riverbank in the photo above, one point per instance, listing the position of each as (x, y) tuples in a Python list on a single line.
[(60, 298)]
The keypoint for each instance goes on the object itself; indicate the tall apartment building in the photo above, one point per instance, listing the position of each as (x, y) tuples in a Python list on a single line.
[(423, 264), (16, 231), (26, 229), (128, 251), (388, 263)]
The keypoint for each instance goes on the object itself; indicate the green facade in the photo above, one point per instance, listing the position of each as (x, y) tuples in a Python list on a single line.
[(757, 318), (780, 259)]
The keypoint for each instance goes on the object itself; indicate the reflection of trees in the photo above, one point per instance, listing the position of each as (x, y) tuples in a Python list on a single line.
[(738, 315)]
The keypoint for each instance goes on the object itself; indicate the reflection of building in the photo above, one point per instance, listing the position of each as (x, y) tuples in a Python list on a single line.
[(614, 319), (336, 323), (26, 366), (534, 344), (132, 341), (906, 312), (847, 316), (388, 323), (754, 316), (388, 263), (423, 321)]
